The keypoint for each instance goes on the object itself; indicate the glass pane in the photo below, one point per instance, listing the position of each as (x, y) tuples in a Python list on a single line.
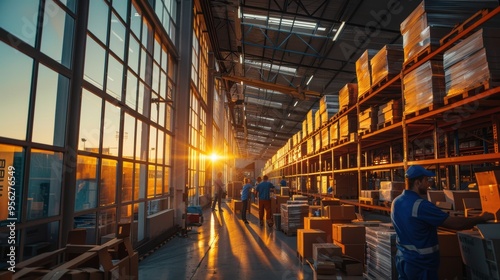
[(90, 122), (71, 4), (152, 144), (57, 35), (107, 224), (141, 149), (111, 135), (121, 7), (128, 136), (159, 181), (98, 20), (155, 84), (151, 180), (154, 108), (159, 148), (15, 81), (133, 54), (164, 58), (20, 18), (143, 69), (11, 173), (40, 239), (107, 188), (141, 176), (163, 84), (117, 36), (135, 20), (44, 189), (127, 181), (157, 51), (115, 76), (86, 183), (131, 96), (140, 99), (50, 107), (161, 114), (88, 222), (94, 66), (126, 213)]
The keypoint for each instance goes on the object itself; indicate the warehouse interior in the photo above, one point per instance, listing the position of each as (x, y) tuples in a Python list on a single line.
[(121, 113)]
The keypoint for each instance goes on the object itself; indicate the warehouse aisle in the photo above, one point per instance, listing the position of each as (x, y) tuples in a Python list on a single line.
[(226, 248)]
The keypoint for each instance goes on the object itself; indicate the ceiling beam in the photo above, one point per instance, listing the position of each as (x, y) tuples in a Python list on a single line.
[(299, 93)]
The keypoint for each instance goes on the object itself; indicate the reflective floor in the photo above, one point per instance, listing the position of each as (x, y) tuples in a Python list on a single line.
[(226, 248)]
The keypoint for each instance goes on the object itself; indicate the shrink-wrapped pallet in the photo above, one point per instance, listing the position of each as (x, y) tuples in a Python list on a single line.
[(327, 115), (363, 71), (387, 63), (389, 112), (310, 121), (347, 124), (325, 137), (328, 102), (292, 216), (334, 133), (367, 120), (473, 62), (423, 87), (432, 20), (348, 95), (380, 253)]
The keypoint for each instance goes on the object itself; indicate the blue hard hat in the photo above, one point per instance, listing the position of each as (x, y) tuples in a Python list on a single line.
[(415, 171)]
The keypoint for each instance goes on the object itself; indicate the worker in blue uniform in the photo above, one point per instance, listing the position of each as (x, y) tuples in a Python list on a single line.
[(416, 220), (245, 196)]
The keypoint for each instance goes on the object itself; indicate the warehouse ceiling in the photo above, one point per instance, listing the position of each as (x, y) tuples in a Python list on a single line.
[(278, 58)]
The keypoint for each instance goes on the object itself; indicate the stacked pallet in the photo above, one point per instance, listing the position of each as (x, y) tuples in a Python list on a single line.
[(348, 96), (334, 133), (292, 217), (367, 120), (363, 71), (328, 107), (380, 253), (389, 190), (347, 124), (387, 63), (423, 87), (389, 112), (432, 20), (473, 62)]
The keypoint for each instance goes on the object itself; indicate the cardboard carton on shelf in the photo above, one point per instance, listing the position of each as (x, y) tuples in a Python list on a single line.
[(488, 181)]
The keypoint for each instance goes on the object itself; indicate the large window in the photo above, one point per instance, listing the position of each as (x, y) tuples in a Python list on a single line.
[(15, 86)]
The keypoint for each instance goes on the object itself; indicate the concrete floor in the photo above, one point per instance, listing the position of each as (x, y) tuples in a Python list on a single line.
[(223, 247)]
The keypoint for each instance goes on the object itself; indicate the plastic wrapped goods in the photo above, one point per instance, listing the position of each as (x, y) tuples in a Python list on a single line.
[(363, 71), (423, 87), (348, 96), (387, 62), (473, 62)]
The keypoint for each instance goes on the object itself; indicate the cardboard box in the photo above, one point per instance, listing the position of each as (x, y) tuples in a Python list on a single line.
[(325, 267), (488, 181), (481, 256), (349, 233), (352, 267), (321, 223), (448, 244), (340, 212), (456, 198), (355, 251), (326, 251), (435, 196), (305, 240)]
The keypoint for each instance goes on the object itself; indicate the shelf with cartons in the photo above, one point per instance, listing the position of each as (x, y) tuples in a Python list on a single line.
[(450, 137)]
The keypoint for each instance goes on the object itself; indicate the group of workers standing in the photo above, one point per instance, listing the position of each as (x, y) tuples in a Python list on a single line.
[(261, 190)]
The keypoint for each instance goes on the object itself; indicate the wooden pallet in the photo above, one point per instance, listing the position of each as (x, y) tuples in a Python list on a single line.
[(376, 86), (366, 131), (388, 123), (462, 26), (467, 93), (421, 111), (410, 62)]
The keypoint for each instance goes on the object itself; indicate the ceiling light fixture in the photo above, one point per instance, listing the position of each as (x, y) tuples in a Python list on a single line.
[(241, 59), (295, 104), (310, 79), (338, 31)]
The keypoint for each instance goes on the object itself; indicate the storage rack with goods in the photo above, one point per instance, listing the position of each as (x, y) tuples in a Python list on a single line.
[(451, 137)]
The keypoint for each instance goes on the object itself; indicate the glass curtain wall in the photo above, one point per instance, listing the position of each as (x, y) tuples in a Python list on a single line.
[(122, 159)]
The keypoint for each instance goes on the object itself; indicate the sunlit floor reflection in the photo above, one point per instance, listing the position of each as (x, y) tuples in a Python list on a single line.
[(223, 247)]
